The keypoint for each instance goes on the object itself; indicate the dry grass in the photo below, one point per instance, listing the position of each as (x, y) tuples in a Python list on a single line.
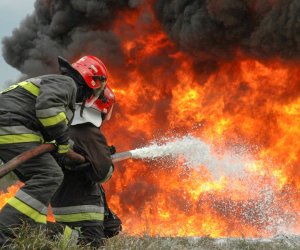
[(203, 243), (28, 239)]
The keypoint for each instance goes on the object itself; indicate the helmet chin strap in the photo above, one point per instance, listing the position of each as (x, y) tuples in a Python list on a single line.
[(82, 106), (97, 93)]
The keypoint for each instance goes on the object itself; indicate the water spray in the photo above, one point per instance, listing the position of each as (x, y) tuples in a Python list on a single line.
[(194, 153)]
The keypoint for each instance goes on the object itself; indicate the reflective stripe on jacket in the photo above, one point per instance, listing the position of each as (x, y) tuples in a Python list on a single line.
[(45, 104), (18, 134)]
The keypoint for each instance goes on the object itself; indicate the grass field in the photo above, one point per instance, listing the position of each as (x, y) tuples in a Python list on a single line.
[(32, 240), (205, 243)]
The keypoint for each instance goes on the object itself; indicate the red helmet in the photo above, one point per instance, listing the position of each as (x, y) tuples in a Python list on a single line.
[(93, 71), (105, 102)]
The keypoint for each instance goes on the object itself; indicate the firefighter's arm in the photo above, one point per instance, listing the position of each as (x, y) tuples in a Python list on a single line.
[(90, 142), (54, 105), (101, 167)]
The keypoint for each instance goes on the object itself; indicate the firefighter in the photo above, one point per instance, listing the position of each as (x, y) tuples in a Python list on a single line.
[(80, 201), (35, 111)]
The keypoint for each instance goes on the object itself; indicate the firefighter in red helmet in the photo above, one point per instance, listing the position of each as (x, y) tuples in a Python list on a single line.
[(92, 69), (80, 201), (34, 111)]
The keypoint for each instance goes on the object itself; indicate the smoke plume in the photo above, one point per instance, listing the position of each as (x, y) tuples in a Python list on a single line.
[(68, 28), (217, 28), (211, 31)]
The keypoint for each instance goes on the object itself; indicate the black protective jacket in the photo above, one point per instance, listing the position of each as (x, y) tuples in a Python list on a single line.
[(91, 143), (81, 187)]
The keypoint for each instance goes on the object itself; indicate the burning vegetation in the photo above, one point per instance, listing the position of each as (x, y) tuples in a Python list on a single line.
[(225, 71)]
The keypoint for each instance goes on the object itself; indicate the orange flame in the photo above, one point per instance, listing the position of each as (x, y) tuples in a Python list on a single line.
[(246, 103), (11, 191)]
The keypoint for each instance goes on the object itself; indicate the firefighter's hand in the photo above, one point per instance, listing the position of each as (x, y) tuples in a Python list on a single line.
[(62, 145), (62, 148), (112, 149)]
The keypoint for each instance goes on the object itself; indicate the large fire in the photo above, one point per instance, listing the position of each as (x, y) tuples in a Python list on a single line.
[(245, 103)]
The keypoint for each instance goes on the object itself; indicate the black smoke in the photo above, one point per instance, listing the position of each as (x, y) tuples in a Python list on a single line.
[(218, 28), (209, 30), (67, 28)]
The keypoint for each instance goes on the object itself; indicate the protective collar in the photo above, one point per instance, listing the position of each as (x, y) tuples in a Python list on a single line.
[(89, 114)]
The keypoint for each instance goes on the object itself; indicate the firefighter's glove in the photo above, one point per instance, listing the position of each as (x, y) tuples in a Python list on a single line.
[(62, 145), (59, 154), (62, 149), (112, 149)]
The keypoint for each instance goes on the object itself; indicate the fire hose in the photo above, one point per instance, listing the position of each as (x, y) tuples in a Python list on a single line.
[(46, 148)]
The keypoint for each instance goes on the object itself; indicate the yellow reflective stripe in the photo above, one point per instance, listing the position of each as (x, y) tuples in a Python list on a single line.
[(30, 87), (8, 139), (62, 149), (50, 121), (78, 217), (27, 210), (9, 89)]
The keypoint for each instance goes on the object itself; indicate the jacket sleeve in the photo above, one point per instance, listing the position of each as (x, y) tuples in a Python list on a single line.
[(55, 105), (89, 141)]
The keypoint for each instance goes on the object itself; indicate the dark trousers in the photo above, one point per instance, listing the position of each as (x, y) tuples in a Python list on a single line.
[(42, 177), (78, 195)]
